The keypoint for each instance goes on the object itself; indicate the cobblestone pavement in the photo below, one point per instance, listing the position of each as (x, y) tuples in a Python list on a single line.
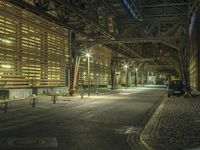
[(175, 125)]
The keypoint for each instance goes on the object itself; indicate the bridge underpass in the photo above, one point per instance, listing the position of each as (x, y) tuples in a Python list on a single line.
[(65, 50)]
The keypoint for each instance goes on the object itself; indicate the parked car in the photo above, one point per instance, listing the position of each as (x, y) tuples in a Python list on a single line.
[(176, 87)]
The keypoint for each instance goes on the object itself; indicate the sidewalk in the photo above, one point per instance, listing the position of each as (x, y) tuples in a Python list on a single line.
[(174, 126)]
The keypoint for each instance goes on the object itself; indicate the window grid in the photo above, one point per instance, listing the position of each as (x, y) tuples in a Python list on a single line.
[(33, 51)]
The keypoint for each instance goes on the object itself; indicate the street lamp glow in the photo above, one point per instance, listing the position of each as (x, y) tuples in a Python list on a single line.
[(136, 69), (88, 55), (126, 71)]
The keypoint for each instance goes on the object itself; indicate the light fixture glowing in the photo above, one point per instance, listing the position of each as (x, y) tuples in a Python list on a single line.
[(6, 41), (6, 66), (126, 65), (88, 55), (136, 69)]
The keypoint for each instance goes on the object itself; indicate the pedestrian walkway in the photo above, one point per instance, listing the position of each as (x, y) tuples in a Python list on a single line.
[(174, 126)]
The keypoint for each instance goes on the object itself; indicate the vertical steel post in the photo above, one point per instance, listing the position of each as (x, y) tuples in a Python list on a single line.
[(5, 107), (88, 75), (126, 77)]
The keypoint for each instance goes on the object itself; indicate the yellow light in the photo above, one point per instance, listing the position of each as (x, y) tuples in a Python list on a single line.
[(6, 66), (88, 55), (6, 41)]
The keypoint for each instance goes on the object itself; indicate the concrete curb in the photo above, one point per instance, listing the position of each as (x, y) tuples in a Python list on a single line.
[(149, 130)]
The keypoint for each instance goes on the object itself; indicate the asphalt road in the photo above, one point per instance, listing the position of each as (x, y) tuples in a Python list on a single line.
[(97, 123)]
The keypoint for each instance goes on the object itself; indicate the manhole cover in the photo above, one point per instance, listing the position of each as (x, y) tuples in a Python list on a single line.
[(28, 142)]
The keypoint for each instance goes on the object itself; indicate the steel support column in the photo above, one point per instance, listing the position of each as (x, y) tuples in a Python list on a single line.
[(185, 58), (74, 61), (113, 70)]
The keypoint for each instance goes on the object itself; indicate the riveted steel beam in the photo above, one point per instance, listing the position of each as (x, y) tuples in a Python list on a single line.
[(164, 40), (83, 17), (166, 5), (109, 8), (45, 15), (152, 20), (195, 6)]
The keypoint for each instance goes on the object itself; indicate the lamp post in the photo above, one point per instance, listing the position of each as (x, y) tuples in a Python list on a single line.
[(88, 55), (126, 67), (136, 69)]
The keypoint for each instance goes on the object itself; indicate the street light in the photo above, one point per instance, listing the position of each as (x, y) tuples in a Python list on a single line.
[(88, 55), (136, 69), (126, 68)]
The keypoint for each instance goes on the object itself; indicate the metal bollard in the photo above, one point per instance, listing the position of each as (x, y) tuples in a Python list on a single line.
[(54, 99), (33, 102), (97, 93), (5, 108), (82, 94)]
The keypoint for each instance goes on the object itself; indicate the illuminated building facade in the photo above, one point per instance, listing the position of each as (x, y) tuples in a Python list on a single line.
[(33, 51)]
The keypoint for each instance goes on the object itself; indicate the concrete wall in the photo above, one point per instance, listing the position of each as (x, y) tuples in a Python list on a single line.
[(24, 93), (19, 93), (53, 90)]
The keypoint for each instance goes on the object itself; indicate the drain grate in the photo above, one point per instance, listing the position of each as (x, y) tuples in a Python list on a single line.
[(29, 142)]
